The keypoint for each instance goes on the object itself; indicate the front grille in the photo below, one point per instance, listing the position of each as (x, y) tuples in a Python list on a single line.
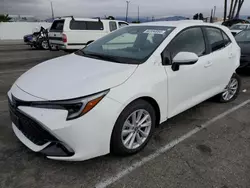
[(29, 127)]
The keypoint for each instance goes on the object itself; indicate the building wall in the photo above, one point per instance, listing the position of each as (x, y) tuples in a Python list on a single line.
[(16, 30)]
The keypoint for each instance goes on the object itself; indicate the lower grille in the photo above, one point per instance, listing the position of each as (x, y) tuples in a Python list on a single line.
[(30, 128)]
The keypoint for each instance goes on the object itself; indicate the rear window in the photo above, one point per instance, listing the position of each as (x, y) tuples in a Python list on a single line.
[(57, 26), (85, 25)]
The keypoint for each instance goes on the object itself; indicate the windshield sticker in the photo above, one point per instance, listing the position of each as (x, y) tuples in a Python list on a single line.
[(154, 31)]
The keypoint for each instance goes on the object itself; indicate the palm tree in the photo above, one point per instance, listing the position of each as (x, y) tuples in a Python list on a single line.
[(4, 18)]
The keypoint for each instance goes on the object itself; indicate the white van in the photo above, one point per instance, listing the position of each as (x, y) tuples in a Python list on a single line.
[(69, 33)]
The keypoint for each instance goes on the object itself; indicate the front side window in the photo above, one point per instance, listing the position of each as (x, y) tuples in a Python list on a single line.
[(130, 45), (112, 26), (190, 40), (215, 39), (85, 25)]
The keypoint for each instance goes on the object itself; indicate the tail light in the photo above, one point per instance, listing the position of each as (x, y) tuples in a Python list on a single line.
[(64, 38)]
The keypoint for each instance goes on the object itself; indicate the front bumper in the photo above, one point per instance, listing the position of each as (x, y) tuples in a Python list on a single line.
[(75, 140)]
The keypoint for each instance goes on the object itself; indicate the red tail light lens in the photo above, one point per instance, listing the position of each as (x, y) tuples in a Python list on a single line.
[(64, 38)]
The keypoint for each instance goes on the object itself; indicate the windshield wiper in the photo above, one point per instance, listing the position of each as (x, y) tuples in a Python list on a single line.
[(102, 57)]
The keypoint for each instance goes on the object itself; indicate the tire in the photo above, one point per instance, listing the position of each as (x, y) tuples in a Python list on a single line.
[(45, 45), (118, 145), (222, 96)]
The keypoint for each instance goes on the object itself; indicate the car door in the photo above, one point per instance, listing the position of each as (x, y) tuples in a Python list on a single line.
[(222, 57), (190, 84)]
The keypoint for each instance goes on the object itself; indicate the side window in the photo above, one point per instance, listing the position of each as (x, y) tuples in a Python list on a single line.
[(122, 24), (227, 40), (112, 26), (85, 25), (215, 39), (77, 25), (190, 40)]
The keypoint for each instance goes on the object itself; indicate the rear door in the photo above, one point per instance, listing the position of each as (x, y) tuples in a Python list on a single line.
[(190, 84), (222, 63), (56, 32)]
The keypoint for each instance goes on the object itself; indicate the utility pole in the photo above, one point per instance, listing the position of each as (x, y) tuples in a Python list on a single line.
[(211, 18), (52, 10), (225, 10), (153, 18), (127, 11), (214, 11), (138, 20)]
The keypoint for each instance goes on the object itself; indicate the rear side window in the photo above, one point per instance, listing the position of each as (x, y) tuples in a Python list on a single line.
[(189, 40), (215, 39), (227, 40), (112, 26), (57, 26), (85, 25)]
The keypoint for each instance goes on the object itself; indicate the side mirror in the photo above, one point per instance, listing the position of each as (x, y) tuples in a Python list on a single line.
[(184, 58)]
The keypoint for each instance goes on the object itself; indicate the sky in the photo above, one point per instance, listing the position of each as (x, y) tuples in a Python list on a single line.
[(99, 8)]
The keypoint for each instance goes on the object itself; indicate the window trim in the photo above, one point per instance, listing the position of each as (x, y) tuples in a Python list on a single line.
[(221, 31), (177, 35)]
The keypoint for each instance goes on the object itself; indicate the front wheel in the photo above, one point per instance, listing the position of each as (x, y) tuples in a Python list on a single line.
[(45, 45), (133, 129), (231, 91)]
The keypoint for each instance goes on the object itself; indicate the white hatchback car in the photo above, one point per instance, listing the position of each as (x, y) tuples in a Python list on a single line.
[(110, 96)]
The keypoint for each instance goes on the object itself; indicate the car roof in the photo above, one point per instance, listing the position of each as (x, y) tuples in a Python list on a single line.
[(88, 19), (183, 23), (242, 24)]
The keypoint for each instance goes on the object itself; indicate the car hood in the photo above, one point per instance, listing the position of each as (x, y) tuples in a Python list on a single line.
[(73, 76)]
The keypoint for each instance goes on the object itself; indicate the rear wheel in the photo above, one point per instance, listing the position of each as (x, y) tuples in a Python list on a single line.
[(232, 90), (133, 128)]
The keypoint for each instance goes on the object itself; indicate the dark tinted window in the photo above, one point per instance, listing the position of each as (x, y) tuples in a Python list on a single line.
[(215, 39), (226, 39), (122, 24), (190, 40), (112, 26), (57, 25), (85, 25)]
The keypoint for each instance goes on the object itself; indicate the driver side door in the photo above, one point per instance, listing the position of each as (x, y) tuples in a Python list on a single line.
[(190, 84)]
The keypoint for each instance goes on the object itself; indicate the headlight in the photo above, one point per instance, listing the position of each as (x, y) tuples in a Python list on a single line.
[(75, 107)]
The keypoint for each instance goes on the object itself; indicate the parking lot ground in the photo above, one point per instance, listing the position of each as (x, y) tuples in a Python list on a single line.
[(217, 156)]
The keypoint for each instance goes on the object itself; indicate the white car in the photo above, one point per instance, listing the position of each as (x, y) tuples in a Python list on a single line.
[(69, 33), (237, 28), (110, 96)]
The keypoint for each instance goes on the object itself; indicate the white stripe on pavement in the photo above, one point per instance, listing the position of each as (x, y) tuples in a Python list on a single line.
[(167, 147)]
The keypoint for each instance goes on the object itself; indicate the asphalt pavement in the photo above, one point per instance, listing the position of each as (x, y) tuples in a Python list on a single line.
[(206, 146)]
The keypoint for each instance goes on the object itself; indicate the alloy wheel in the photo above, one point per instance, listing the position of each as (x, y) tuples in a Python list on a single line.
[(230, 90), (136, 129)]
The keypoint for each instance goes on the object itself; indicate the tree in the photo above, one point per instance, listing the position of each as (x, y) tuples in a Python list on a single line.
[(201, 17), (196, 16), (4, 18), (110, 18), (136, 21), (235, 8)]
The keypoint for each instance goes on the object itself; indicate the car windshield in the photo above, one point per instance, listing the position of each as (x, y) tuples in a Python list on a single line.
[(128, 45), (238, 27), (243, 36)]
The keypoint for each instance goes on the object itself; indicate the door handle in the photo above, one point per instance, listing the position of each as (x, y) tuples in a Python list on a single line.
[(208, 64)]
